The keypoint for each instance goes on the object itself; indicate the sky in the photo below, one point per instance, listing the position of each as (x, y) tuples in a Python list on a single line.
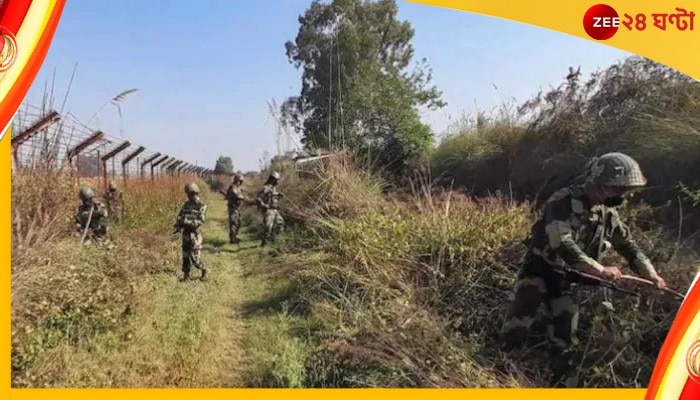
[(206, 70)]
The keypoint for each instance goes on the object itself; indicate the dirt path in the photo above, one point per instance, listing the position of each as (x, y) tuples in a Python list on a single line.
[(230, 330)]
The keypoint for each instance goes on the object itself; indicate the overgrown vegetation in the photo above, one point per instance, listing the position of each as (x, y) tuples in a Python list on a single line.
[(64, 295), (637, 106), (387, 276), (413, 291)]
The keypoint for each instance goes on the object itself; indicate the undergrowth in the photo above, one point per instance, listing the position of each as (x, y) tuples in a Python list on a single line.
[(64, 294), (412, 292)]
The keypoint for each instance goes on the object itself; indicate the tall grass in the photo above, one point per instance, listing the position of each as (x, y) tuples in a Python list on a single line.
[(413, 291), (64, 294), (637, 106)]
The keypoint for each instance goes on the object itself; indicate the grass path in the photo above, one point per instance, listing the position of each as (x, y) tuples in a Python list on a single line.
[(227, 331)]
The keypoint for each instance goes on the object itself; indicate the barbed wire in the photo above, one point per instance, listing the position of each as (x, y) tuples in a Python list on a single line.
[(44, 139)]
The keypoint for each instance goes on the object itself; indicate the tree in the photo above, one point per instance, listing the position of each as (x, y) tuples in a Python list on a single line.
[(224, 165), (360, 86)]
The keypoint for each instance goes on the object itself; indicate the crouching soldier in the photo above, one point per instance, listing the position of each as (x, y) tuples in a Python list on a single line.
[(575, 227), (91, 218)]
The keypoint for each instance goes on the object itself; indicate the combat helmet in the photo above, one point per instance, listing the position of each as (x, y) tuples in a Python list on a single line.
[(192, 188), (238, 178), (615, 170), (86, 193), (275, 175), (112, 185)]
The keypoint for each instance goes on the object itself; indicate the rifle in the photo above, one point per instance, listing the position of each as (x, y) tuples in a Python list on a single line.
[(87, 225), (577, 276)]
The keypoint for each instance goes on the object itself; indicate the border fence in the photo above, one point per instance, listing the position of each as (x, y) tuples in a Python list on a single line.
[(43, 139)]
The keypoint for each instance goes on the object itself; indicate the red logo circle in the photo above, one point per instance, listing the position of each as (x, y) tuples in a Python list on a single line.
[(693, 361), (601, 22), (8, 49)]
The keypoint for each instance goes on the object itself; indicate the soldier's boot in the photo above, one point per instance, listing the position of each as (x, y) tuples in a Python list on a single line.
[(204, 273), (513, 338), (185, 270), (233, 239), (185, 275), (561, 367)]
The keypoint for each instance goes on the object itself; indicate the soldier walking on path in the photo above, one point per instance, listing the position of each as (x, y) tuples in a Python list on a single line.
[(268, 202), (189, 222), (576, 226), (91, 218), (235, 198)]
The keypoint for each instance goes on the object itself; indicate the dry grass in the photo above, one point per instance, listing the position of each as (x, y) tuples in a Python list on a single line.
[(638, 107), (65, 295), (412, 292)]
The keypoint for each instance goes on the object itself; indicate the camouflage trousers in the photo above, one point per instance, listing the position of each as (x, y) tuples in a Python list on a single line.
[(274, 224), (536, 287), (234, 223), (192, 253), (115, 212)]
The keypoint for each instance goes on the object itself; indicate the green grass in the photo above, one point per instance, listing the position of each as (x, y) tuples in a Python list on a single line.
[(412, 291), (124, 319)]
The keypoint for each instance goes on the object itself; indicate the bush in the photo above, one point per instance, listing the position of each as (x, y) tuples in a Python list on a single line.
[(90, 289), (637, 107), (412, 292)]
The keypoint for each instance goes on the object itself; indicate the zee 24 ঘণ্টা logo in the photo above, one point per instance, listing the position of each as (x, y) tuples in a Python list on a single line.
[(601, 21)]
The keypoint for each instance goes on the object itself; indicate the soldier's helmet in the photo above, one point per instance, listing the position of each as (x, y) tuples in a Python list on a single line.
[(112, 186), (191, 188), (86, 193), (275, 175), (615, 170), (238, 178)]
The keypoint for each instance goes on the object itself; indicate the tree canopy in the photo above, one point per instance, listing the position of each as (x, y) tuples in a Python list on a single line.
[(224, 165), (361, 88)]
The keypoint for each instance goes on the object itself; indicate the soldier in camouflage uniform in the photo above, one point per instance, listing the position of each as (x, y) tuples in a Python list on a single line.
[(235, 198), (267, 200), (96, 223), (576, 226), (115, 201), (189, 222)]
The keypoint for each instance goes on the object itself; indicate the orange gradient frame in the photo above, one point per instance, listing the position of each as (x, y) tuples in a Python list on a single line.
[(34, 22)]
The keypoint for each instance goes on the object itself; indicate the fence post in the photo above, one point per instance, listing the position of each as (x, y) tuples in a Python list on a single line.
[(111, 155), (43, 123), (127, 159), (156, 163), (146, 162), (80, 147)]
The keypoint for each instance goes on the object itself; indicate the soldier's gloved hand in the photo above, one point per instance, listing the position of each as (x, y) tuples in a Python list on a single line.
[(658, 281), (612, 273)]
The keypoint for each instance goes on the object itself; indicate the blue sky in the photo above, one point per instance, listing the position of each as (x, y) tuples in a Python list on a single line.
[(205, 72)]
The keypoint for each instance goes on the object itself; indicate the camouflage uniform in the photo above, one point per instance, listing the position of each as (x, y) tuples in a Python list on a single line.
[(97, 229), (570, 231), (114, 199), (268, 200), (235, 199), (190, 219)]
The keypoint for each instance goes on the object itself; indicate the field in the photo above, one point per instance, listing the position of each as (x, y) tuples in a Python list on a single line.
[(379, 280)]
